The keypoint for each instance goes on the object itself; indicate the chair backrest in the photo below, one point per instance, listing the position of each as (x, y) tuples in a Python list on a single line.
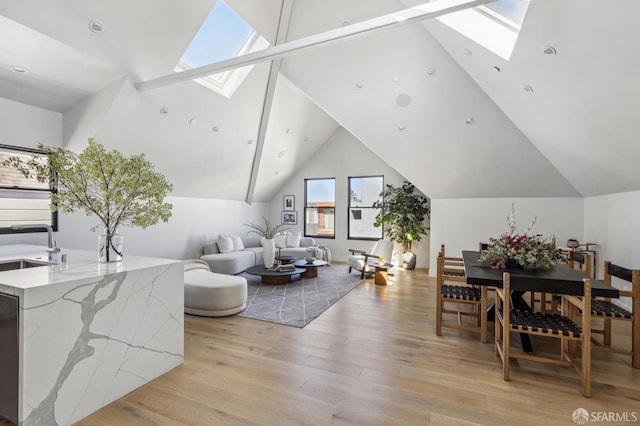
[(580, 261), (383, 248), (626, 274)]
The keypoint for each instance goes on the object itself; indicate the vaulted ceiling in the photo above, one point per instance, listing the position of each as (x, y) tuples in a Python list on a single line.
[(466, 128)]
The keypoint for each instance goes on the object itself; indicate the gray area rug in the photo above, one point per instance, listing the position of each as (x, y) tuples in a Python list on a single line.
[(300, 301)]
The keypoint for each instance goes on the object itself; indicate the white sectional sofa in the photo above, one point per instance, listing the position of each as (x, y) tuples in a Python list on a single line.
[(238, 260)]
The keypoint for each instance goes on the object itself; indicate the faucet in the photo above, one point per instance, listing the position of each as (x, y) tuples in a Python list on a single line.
[(37, 226)]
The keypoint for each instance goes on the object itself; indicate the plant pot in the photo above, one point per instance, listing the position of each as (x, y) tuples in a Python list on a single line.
[(268, 252), (409, 260)]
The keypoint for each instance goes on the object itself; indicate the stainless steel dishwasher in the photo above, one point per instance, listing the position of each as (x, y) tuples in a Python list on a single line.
[(9, 357)]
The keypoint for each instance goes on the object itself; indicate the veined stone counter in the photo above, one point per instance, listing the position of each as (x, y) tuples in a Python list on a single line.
[(91, 332)]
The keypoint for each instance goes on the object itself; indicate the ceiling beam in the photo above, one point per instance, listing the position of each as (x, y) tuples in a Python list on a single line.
[(274, 71), (349, 32)]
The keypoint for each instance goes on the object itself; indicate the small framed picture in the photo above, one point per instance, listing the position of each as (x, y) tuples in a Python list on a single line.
[(289, 218), (289, 202)]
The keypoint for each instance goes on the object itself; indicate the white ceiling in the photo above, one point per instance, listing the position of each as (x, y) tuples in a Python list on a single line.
[(574, 135)]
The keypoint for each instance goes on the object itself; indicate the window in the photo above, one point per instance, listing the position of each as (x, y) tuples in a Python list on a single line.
[(23, 201), (495, 25), (363, 192), (223, 35), (320, 208)]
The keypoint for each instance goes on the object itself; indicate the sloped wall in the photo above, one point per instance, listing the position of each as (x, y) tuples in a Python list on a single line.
[(340, 157)]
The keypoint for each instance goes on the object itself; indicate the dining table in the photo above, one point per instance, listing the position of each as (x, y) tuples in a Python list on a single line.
[(560, 280)]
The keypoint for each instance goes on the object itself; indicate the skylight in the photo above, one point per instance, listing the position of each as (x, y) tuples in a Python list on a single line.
[(223, 35), (495, 25)]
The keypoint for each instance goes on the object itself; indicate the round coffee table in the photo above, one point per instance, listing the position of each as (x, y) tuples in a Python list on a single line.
[(311, 268), (274, 277), (381, 272)]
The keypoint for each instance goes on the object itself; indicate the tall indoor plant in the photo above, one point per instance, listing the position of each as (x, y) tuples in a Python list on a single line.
[(120, 191), (402, 212)]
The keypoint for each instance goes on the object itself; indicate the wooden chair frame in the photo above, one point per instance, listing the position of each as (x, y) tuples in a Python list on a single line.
[(632, 276), (504, 327), (451, 269)]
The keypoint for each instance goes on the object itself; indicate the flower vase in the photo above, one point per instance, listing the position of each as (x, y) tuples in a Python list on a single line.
[(109, 247), (268, 252)]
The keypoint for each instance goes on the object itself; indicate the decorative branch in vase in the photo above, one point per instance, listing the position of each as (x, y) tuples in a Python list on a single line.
[(267, 232), (120, 191)]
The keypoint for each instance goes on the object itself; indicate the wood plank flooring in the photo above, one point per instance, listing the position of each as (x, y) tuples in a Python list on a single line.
[(371, 359)]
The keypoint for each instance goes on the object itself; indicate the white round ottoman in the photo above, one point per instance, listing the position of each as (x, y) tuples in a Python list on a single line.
[(210, 294)]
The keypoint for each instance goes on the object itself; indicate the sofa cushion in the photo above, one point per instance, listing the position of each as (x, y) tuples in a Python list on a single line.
[(211, 248), (225, 243), (280, 241), (230, 263), (293, 239), (237, 242), (307, 242), (251, 242)]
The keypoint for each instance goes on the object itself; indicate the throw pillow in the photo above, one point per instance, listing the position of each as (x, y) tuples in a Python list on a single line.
[(237, 242), (280, 241), (293, 240), (225, 243)]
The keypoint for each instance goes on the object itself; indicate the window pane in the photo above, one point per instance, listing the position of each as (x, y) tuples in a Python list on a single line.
[(23, 201), (319, 217), (361, 224), (364, 191)]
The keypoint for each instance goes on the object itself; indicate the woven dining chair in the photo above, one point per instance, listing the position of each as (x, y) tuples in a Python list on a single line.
[(453, 291), (608, 311), (551, 325)]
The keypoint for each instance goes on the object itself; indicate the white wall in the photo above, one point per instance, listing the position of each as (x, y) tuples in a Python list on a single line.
[(613, 223), (342, 156), (26, 126), (194, 221), (461, 224)]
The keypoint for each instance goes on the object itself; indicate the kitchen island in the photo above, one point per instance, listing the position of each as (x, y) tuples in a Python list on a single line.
[(88, 332)]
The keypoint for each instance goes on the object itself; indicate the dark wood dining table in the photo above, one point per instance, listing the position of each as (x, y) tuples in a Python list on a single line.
[(558, 280)]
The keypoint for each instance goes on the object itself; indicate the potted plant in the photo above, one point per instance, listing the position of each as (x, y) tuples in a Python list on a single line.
[(119, 191), (267, 232), (402, 212)]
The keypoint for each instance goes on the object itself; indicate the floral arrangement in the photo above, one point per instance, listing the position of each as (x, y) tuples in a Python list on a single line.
[(528, 251)]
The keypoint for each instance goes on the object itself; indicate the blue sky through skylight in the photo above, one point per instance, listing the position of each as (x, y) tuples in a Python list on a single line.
[(514, 10), (220, 37)]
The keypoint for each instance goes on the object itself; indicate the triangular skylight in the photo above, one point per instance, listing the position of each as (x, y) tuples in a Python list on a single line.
[(223, 35), (495, 25)]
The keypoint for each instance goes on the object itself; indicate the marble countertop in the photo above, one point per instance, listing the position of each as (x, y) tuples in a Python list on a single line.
[(80, 265)]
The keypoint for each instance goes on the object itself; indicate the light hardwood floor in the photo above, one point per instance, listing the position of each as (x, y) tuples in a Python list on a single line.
[(371, 359)]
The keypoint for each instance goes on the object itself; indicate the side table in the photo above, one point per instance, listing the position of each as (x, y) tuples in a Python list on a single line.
[(381, 272)]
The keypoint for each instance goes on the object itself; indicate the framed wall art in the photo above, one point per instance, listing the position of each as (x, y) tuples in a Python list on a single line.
[(289, 202)]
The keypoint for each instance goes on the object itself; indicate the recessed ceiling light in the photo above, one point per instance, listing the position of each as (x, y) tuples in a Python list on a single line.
[(249, 142), (192, 120), (306, 139), (468, 52), (164, 110), (96, 26), (497, 68), (549, 50), (469, 120), (401, 128), (394, 78), (527, 88), (276, 173), (281, 154), (359, 85), (287, 131), (18, 69), (345, 23), (431, 71), (215, 129)]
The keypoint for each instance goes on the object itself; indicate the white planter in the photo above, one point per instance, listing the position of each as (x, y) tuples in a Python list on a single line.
[(268, 252)]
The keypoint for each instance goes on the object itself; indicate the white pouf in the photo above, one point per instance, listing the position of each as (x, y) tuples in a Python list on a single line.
[(210, 294)]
